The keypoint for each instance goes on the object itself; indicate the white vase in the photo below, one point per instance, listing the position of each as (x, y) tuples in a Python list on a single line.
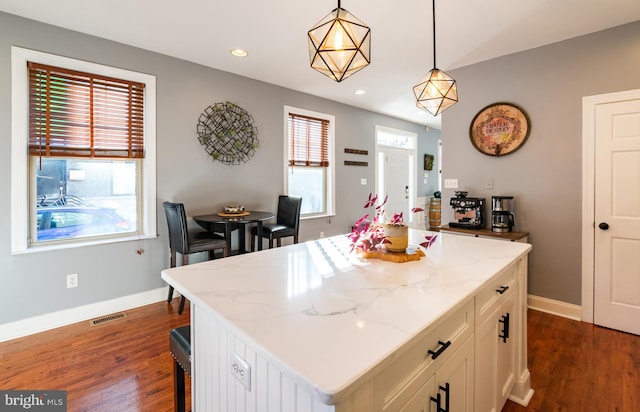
[(398, 237)]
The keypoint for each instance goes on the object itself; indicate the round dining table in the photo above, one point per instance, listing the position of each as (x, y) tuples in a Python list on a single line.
[(227, 223)]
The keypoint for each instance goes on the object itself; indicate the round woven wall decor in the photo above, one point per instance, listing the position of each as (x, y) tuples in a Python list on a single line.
[(228, 133)]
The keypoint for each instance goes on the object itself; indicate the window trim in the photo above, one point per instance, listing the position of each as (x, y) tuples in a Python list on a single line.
[(20, 158), (330, 170)]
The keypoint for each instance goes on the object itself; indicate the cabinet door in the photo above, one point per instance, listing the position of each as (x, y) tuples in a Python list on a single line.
[(495, 356), (455, 380), (420, 401), (506, 351)]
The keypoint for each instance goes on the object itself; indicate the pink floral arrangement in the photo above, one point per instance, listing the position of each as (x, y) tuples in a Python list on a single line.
[(368, 231)]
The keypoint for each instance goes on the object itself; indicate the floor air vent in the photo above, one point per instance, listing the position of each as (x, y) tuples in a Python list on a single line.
[(107, 319)]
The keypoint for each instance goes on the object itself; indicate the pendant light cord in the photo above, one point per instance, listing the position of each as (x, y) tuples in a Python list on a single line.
[(433, 2)]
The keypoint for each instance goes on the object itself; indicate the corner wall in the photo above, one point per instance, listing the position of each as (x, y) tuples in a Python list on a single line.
[(544, 175)]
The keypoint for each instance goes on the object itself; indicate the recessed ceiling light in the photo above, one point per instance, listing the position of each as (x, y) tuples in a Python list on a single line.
[(360, 91), (239, 52)]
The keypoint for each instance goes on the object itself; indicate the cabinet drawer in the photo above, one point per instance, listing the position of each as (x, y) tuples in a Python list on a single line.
[(398, 382), (496, 291)]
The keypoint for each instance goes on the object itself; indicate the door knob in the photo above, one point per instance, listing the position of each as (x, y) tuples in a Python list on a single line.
[(603, 226)]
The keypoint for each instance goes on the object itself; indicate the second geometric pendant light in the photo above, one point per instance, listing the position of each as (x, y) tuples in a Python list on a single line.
[(436, 91)]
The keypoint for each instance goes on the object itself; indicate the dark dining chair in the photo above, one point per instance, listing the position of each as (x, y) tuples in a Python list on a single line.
[(287, 222), (180, 347), (186, 242)]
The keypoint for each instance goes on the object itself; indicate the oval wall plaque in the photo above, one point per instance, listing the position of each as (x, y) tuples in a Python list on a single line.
[(499, 129)]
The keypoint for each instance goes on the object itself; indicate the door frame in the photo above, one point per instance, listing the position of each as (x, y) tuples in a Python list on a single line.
[(413, 187), (589, 104)]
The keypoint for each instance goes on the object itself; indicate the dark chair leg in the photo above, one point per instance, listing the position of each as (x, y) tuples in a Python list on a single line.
[(179, 396), (172, 263), (253, 244), (181, 307)]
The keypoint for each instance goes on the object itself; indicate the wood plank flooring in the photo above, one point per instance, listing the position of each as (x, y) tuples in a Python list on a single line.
[(579, 367), (125, 365)]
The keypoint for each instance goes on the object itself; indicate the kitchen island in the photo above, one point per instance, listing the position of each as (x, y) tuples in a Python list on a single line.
[(313, 327)]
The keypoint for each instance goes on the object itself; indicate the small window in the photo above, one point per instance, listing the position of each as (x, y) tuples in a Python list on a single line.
[(89, 173), (310, 165)]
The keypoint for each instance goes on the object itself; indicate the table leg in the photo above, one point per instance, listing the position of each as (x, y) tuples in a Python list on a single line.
[(242, 244), (227, 236)]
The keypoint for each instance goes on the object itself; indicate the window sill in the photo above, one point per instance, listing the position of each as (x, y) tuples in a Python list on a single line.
[(325, 216), (73, 245)]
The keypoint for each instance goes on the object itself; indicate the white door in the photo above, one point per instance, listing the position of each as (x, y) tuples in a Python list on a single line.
[(617, 216), (396, 182)]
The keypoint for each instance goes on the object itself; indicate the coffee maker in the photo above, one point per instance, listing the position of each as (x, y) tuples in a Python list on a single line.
[(468, 212), (502, 219)]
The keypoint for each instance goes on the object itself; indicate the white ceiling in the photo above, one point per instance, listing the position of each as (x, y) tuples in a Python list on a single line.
[(275, 34)]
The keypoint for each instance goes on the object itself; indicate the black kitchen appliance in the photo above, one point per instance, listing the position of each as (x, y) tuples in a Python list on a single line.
[(502, 219), (468, 212)]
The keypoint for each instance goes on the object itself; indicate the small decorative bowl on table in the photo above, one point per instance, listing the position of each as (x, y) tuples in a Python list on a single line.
[(233, 209), (233, 212)]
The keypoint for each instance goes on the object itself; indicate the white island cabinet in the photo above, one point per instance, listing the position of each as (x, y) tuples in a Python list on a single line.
[(312, 327)]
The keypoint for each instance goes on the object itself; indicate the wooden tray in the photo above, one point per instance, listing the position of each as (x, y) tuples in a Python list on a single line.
[(241, 214), (397, 257)]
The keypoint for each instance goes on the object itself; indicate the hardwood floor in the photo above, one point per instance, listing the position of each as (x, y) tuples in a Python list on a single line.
[(579, 367), (125, 365)]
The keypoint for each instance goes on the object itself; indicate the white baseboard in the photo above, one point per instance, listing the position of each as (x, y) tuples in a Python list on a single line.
[(54, 320), (555, 307)]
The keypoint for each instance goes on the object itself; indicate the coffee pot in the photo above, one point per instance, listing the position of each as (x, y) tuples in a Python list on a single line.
[(502, 219)]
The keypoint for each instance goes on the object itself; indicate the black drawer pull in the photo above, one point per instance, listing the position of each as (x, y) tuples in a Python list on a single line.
[(438, 398), (502, 289), (443, 346), (504, 334)]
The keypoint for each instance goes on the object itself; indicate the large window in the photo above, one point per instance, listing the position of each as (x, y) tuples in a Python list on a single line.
[(83, 158), (310, 163)]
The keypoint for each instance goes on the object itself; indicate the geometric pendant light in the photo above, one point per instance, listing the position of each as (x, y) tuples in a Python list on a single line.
[(436, 91), (339, 45)]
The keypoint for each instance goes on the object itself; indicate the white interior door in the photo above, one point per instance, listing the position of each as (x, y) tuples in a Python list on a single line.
[(617, 216), (396, 181)]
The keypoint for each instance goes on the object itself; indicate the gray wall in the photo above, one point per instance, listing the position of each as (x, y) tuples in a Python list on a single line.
[(34, 284), (544, 175)]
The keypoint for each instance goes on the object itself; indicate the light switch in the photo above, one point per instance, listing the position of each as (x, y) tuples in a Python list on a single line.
[(451, 183), (363, 181)]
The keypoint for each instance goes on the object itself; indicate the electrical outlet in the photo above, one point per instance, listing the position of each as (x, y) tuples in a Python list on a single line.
[(241, 370), (72, 280), (321, 235), (363, 181)]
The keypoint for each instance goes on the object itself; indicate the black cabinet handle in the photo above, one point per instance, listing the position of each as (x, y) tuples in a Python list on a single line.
[(502, 289), (504, 335), (438, 398), (443, 346)]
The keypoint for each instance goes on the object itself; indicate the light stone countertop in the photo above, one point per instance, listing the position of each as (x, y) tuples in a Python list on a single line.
[(329, 317)]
